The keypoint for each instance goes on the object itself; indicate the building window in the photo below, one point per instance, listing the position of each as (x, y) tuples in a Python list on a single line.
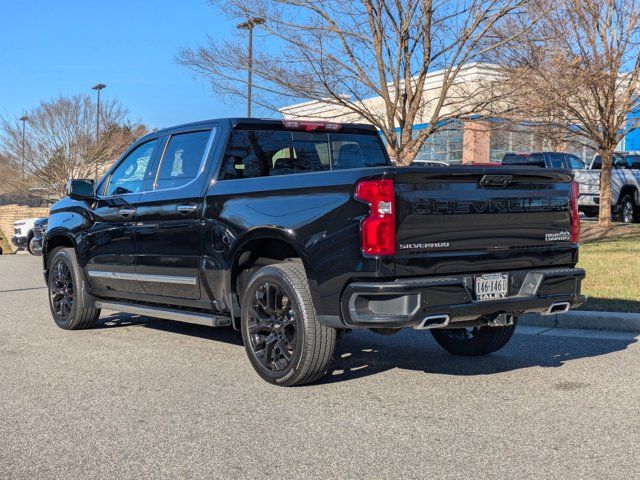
[(525, 138), (522, 138), (444, 145), (517, 139)]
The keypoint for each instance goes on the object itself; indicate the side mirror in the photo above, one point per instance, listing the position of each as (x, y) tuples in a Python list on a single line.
[(81, 189)]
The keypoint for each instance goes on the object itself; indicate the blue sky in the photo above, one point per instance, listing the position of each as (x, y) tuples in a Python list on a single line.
[(48, 48)]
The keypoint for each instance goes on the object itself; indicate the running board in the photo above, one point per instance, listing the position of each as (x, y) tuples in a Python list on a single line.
[(208, 320)]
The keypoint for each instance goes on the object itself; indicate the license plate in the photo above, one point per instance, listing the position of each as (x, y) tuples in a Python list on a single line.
[(491, 286)]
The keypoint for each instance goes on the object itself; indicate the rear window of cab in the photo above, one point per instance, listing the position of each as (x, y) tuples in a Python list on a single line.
[(262, 153)]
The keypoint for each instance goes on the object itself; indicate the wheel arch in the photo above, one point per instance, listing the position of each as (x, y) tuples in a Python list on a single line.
[(53, 240), (630, 190), (265, 247)]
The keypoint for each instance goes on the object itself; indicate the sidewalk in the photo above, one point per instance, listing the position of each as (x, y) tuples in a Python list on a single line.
[(587, 320)]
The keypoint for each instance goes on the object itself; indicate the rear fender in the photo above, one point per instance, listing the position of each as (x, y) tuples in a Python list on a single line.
[(274, 234)]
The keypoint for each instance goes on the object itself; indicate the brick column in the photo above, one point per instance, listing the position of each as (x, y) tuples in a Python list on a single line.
[(476, 144)]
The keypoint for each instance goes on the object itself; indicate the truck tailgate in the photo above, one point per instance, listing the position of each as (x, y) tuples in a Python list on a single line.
[(463, 219)]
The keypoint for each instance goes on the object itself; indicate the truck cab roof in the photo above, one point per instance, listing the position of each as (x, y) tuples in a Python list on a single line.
[(285, 124)]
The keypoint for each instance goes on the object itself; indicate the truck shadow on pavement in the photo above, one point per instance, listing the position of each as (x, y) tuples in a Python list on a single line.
[(362, 353), (226, 335)]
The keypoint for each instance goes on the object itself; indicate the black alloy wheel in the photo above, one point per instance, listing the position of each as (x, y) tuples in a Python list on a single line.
[(284, 340), (272, 326), (61, 290), (72, 307)]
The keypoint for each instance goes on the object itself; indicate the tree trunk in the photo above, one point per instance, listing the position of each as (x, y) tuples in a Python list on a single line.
[(406, 157), (604, 216)]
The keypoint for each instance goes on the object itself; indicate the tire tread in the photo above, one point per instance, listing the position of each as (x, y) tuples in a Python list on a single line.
[(319, 340)]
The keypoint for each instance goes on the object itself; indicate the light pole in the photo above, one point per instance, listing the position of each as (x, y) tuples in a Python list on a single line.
[(98, 87), (248, 25), (24, 119)]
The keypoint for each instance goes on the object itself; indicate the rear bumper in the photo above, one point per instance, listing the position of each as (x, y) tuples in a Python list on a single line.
[(589, 200), (406, 302)]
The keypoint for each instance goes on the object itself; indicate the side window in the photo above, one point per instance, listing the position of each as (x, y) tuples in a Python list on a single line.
[(557, 160), (130, 175), (182, 159), (620, 162), (634, 161), (575, 163)]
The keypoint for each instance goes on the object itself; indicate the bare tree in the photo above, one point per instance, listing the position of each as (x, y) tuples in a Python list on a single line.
[(10, 175), (344, 53), (578, 71), (60, 141)]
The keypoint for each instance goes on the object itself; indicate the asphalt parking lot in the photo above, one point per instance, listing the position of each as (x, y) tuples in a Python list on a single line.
[(139, 397)]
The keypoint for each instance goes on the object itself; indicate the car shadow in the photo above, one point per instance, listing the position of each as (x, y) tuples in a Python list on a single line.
[(362, 353), (222, 334)]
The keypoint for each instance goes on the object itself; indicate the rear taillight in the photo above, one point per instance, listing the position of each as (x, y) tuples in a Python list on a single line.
[(378, 229), (575, 214)]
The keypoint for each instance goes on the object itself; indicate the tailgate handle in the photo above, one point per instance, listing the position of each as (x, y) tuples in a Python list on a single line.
[(496, 180), (126, 211), (185, 209)]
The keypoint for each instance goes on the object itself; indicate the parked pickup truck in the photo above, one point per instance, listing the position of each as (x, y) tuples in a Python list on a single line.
[(294, 232), (39, 227), (544, 160), (625, 186), (23, 232)]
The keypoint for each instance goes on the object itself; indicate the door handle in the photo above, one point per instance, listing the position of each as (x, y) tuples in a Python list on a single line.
[(184, 209), (127, 211)]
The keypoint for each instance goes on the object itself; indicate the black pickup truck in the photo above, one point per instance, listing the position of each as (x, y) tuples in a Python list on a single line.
[(294, 232)]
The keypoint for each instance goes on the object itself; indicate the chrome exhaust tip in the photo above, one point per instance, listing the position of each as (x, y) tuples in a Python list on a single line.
[(433, 321), (558, 307)]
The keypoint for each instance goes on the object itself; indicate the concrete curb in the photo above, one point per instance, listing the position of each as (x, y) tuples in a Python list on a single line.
[(587, 320)]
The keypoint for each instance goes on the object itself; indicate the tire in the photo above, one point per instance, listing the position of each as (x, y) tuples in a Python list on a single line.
[(67, 298), (29, 238), (285, 342), (473, 342), (626, 210)]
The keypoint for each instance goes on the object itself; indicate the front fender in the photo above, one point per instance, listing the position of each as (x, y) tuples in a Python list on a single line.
[(67, 220)]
